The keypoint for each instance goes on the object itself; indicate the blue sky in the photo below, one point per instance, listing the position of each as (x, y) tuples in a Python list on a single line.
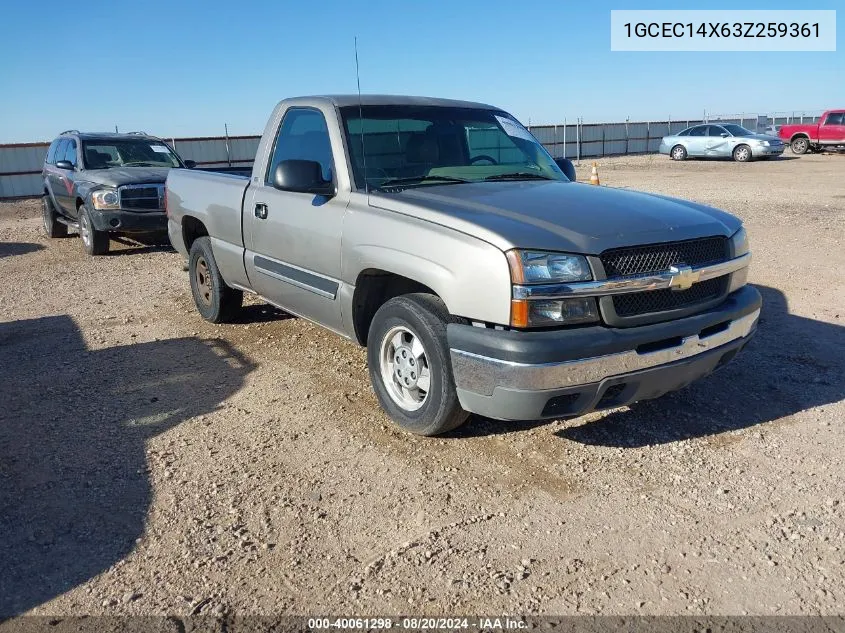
[(186, 68)]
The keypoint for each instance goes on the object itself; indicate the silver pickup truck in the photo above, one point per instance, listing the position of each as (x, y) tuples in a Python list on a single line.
[(442, 236)]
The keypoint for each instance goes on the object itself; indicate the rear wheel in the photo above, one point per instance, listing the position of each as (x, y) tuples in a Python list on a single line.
[(742, 153), (679, 152), (52, 226), (215, 301), (410, 366), (95, 242), (800, 145)]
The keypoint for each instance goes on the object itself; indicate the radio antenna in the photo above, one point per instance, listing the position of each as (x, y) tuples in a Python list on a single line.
[(361, 119)]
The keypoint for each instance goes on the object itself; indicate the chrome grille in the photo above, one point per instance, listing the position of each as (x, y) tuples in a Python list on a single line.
[(142, 197), (636, 303), (653, 258)]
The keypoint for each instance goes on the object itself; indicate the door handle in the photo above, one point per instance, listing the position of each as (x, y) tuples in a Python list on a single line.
[(261, 211)]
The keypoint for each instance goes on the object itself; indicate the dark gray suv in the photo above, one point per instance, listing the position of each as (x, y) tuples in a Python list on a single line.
[(103, 183)]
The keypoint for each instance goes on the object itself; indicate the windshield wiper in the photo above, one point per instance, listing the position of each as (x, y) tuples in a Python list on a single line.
[(140, 164), (413, 180), (518, 175)]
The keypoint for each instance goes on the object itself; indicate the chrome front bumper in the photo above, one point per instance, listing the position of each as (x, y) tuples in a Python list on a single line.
[(504, 388)]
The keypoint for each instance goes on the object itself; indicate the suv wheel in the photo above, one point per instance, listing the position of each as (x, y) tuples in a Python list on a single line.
[(410, 367), (215, 301), (95, 242), (52, 227)]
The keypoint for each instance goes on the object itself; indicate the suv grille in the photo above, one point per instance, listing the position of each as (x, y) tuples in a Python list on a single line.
[(142, 197), (637, 303), (637, 260)]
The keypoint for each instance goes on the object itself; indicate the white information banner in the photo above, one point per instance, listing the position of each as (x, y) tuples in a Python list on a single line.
[(723, 30)]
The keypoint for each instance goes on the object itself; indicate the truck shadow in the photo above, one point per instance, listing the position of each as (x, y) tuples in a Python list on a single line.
[(74, 483), (11, 249), (793, 363)]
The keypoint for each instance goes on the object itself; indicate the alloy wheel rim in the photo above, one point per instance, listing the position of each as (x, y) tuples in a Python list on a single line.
[(800, 145), (679, 152), (405, 371), (84, 229), (203, 278), (742, 154)]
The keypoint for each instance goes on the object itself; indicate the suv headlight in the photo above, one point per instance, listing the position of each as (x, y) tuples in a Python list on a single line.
[(105, 199), (542, 267)]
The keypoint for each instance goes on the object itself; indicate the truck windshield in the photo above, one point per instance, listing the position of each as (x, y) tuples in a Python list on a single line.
[(103, 154), (407, 145)]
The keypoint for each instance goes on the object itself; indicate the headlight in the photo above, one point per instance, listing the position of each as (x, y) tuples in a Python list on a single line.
[(739, 246), (541, 267), (739, 242), (532, 267), (766, 143), (105, 199)]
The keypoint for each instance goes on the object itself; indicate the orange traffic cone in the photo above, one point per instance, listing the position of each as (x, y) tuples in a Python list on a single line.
[(594, 177)]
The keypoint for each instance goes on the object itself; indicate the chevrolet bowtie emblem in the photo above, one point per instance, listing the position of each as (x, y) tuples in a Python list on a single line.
[(683, 277)]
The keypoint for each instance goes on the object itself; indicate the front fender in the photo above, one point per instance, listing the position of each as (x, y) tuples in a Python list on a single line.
[(470, 275)]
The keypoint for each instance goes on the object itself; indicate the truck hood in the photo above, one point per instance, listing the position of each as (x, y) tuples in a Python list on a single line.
[(118, 176), (561, 216)]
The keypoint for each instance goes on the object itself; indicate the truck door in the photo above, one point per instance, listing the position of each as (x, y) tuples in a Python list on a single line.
[(832, 129), (292, 239)]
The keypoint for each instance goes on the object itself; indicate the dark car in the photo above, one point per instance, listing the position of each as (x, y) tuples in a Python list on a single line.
[(105, 183)]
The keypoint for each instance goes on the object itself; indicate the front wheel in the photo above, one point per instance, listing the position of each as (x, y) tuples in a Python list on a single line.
[(215, 301), (800, 145), (742, 153), (95, 242), (410, 367), (679, 152)]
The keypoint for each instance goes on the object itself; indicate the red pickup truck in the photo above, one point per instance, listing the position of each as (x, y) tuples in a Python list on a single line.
[(826, 134)]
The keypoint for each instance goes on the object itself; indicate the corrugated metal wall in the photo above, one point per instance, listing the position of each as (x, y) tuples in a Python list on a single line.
[(20, 164)]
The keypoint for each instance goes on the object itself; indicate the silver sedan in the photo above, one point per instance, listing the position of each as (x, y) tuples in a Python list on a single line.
[(720, 141)]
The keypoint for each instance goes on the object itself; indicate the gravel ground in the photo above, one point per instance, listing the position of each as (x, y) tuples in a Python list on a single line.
[(152, 463)]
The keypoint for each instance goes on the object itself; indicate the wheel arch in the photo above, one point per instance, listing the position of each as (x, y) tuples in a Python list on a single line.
[(192, 228), (373, 288)]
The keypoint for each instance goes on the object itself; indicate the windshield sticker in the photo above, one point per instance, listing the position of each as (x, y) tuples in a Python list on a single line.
[(512, 128), (161, 149)]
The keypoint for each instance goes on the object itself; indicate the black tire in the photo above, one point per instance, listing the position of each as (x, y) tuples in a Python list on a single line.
[(95, 242), (52, 227), (679, 152), (800, 145), (424, 316), (742, 153), (215, 301)]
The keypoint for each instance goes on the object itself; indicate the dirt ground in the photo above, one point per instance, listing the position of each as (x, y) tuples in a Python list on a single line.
[(152, 463)]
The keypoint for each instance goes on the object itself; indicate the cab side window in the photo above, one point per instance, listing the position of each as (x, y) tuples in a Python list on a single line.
[(835, 118), (303, 135), (70, 152)]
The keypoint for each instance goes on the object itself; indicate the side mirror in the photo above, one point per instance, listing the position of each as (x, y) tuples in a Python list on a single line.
[(64, 164), (724, 135), (303, 176), (190, 164), (566, 167)]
